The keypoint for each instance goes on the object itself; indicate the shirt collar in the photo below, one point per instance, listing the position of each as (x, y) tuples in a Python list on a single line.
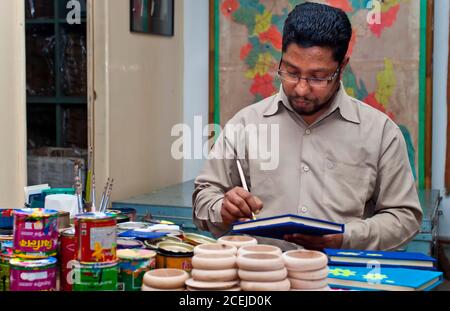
[(347, 107)]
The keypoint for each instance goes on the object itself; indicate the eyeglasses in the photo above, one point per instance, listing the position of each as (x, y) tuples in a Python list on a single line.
[(313, 82)]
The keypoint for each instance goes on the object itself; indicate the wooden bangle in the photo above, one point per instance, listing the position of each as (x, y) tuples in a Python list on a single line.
[(146, 288), (215, 248), (304, 284), (213, 262), (323, 289), (211, 285), (263, 276), (260, 262), (232, 289), (224, 275), (165, 278), (237, 240), (304, 260), (309, 275), (261, 248), (284, 285)]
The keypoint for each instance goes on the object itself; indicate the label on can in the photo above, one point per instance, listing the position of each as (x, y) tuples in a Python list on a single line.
[(67, 256), (95, 277), (4, 274), (95, 237), (35, 233), (33, 275)]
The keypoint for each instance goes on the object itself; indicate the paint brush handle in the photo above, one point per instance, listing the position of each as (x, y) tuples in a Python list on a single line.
[(243, 181)]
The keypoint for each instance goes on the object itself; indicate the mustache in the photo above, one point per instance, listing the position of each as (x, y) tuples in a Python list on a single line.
[(302, 99)]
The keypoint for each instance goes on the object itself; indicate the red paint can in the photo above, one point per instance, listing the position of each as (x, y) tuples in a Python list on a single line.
[(67, 258), (96, 237)]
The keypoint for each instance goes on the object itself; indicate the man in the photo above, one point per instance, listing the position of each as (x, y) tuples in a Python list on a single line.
[(340, 160)]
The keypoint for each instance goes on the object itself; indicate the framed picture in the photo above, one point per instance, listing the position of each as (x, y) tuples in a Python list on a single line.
[(152, 17)]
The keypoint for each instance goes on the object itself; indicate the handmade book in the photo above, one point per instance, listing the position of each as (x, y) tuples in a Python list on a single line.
[(412, 260), (278, 226), (381, 278)]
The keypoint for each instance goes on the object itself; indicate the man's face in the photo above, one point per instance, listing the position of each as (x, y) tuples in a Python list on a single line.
[(313, 62)]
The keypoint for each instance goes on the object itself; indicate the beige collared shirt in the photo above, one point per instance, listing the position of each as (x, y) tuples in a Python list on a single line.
[(350, 166)]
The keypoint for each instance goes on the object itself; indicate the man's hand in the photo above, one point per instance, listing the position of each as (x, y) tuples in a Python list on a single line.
[(238, 205), (316, 242)]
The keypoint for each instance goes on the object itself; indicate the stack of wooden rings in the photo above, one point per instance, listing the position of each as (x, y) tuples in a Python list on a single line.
[(261, 268), (307, 270), (164, 280), (214, 268), (237, 240)]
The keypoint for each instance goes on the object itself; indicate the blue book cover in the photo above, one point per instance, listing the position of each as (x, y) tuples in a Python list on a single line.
[(381, 278), (276, 227), (386, 259)]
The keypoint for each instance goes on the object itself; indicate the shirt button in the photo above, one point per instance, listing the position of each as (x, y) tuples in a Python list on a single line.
[(304, 209), (306, 168), (308, 132)]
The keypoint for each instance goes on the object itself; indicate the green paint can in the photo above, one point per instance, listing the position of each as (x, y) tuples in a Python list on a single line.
[(134, 263), (96, 277), (4, 273)]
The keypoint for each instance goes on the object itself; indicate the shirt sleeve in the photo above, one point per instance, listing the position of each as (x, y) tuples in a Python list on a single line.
[(218, 176), (397, 215)]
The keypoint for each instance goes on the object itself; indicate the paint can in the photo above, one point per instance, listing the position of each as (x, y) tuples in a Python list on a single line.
[(63, 220), (95, 237), (67, 258), (152, 244), (96, 277), (129, 244), (33, 275), (35, 233), (4, 273), (6, 245), (174, 255), (197, 239), (133, 263)]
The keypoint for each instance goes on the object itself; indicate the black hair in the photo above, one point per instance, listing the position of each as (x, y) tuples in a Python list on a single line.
[(314, 24)]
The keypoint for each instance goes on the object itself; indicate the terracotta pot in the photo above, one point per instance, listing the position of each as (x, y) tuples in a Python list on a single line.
[(237, 240), (284, 285), (213, 262), (215, 248), (165, 278), (224, 275), (262, 248), (263, 276), (304, 260), (260, 262)]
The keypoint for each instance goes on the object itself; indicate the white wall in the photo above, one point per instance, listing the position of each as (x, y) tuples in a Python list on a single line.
[(12, 104), (440, 68), (196, 64), (138, 81)]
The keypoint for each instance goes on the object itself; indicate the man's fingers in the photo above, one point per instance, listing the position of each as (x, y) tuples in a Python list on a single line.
[(235, 211), (254, 203), (227, 218), (241, 203)]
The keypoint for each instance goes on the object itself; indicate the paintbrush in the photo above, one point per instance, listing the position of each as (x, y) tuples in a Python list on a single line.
[(93, 193), (89, 174), (108, 195), (102, 201), (243, 181)]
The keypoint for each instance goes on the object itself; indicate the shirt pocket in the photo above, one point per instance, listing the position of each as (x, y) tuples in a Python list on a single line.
[(345, 188)]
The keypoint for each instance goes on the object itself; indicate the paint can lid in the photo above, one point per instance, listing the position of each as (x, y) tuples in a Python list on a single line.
[(38, 263), (95, 216), (36, 212), (134, 254)]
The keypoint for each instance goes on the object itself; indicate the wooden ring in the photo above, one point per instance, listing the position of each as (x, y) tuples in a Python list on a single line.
[(237, 240), (165, 278), (261, 248), (309, 275), (215, 248), (263, 276), (304, 284), (260, 262), (224, 275), (284, 285), (304, 260), (213, 262)]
